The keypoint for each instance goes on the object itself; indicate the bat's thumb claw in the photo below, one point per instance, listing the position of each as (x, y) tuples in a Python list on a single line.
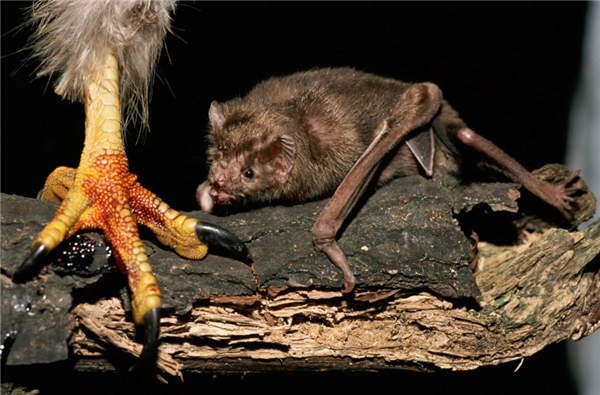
[(349, 284), (216, 236), (151, 332)]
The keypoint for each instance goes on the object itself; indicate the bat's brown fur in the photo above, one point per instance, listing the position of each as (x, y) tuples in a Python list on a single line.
[(305, 135), (332, 115)]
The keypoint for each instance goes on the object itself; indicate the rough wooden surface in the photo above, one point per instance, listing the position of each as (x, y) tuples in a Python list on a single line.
[(532, 295), (418, 306)]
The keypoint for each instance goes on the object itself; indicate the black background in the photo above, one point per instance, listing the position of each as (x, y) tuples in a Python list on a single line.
[(510, 69)]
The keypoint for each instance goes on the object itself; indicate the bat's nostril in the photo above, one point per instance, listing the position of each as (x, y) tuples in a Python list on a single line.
[(218, 182)]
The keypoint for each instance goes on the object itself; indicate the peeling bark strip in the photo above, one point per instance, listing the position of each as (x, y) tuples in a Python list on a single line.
[(533, 295), (418, 305)]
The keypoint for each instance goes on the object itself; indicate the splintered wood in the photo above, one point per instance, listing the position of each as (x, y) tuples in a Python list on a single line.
[(532, 295)]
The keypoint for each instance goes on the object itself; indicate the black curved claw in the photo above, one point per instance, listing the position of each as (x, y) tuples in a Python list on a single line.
[(151, 332), (215, 235), (9, 340), (31, 265)]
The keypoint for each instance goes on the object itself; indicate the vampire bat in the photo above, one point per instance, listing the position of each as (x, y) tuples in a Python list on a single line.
[(330, 131)]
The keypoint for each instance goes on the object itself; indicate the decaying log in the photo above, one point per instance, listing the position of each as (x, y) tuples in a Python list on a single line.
[(417, 306)]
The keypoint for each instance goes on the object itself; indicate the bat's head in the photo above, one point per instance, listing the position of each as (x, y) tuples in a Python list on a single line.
[(250, 158)]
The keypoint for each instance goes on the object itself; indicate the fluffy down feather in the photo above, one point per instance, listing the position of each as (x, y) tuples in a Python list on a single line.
[(73, 35)]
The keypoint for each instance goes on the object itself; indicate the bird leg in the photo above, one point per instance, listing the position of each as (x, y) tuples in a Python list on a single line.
[(103, 194)]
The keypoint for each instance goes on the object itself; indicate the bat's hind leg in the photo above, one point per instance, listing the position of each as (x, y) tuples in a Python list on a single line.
[(558, 195)]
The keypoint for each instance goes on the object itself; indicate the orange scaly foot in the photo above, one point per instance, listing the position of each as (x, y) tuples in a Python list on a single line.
[(103, 194)]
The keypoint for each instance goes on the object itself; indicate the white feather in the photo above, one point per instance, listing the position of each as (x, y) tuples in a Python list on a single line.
[(72, 36)]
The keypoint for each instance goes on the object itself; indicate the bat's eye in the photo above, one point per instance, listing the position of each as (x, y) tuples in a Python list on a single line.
[(249, 173)]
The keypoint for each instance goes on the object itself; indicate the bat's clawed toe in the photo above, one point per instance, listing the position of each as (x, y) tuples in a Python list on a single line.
[(151, 332)]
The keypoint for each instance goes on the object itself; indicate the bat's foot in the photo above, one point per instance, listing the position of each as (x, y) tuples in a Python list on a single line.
[(560, 195)]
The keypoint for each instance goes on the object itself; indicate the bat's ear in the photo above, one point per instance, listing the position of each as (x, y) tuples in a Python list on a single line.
[(280, 152), (215, 114)]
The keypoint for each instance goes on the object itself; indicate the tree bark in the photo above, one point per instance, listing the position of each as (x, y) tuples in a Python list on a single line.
[(418, 305)]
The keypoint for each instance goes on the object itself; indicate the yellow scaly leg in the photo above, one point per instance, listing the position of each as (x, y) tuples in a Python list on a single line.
[(103, 194)]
